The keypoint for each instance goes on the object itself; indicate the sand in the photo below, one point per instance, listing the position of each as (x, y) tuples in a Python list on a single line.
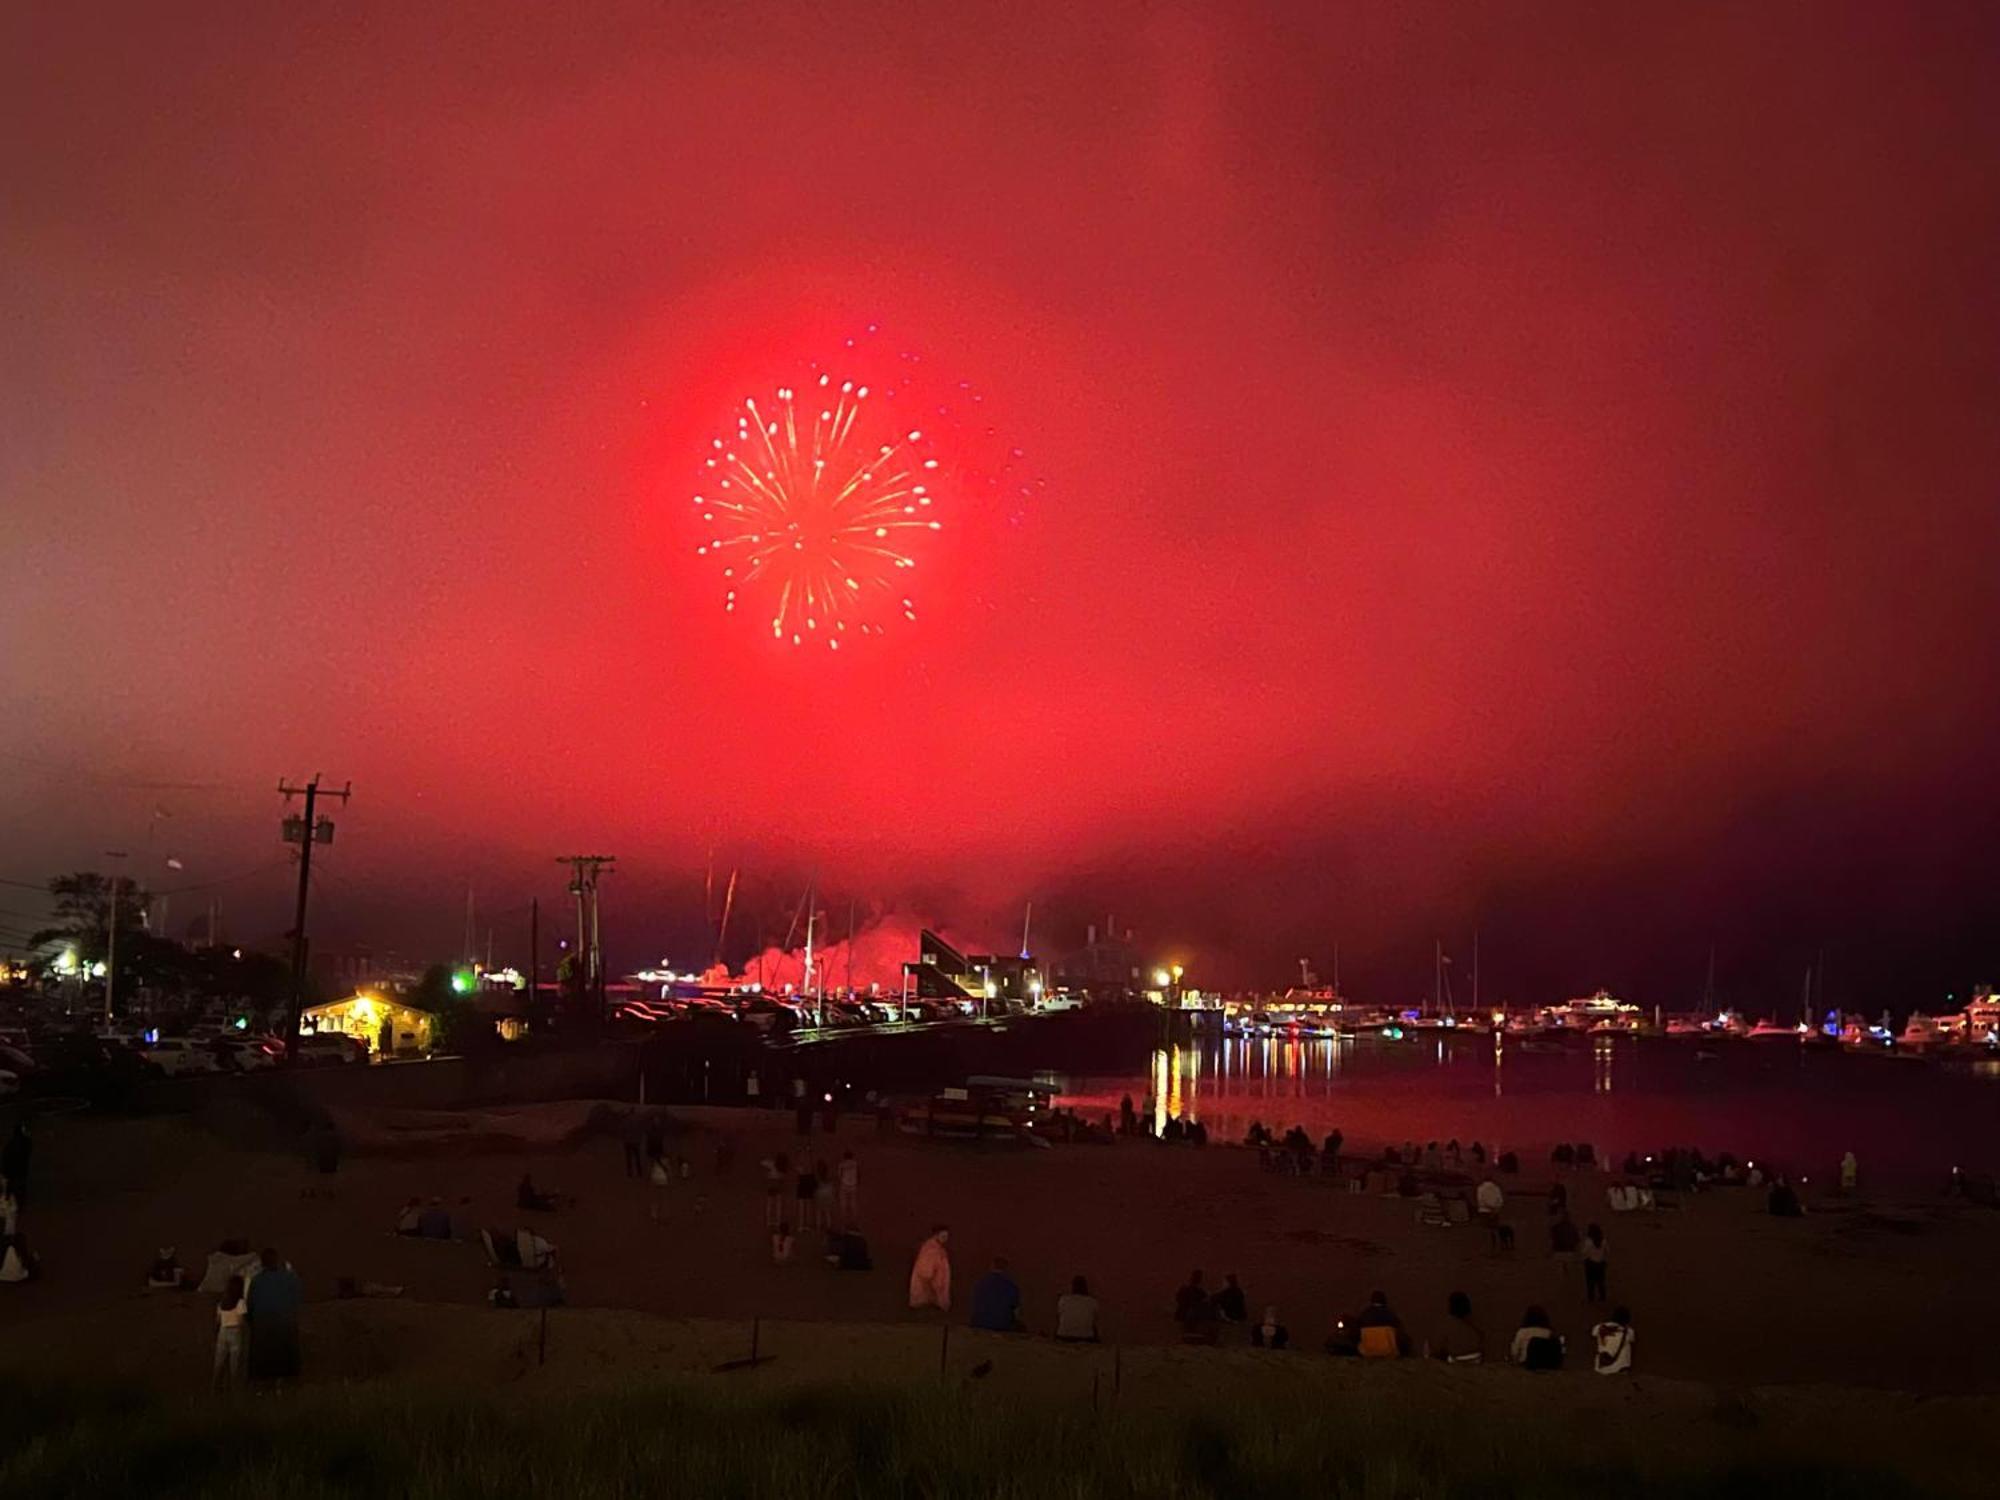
[(1881, 1295)]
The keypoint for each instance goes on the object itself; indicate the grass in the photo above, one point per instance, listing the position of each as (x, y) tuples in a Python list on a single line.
[(701, 1438)]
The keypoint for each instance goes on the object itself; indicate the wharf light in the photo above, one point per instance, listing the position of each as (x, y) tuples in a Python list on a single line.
[(461, 981)]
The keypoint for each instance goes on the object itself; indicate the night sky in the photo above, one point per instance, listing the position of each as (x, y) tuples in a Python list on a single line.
[(1517, 466)]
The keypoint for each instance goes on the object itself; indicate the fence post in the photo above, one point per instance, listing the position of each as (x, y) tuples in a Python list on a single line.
[(944, 1348), (542, 1338)]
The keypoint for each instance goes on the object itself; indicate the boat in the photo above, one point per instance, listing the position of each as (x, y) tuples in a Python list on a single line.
[(1600, 1011), (984, 1109), (1772, 1031)]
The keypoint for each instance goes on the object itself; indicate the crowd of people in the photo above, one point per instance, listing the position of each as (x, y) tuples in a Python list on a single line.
[(258, 1296)]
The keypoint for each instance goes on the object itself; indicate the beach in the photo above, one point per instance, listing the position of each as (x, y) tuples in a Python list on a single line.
[(1862, 1294)]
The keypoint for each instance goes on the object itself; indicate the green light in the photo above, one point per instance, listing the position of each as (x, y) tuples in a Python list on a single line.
[(461, 981)]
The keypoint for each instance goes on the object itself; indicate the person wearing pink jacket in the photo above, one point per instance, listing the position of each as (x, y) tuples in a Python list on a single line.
[(930, 1277)]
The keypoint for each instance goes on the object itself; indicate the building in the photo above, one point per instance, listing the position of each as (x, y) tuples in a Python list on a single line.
[(386, 1025)]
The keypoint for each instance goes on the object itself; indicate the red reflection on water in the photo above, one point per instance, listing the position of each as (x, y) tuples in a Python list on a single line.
[(1913, 1121)]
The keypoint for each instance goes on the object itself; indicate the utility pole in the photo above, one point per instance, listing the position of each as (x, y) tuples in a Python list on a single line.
[(584, 872), (111, 936), (304, 831)]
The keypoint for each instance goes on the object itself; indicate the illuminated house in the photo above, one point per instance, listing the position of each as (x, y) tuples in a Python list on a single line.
[(388, 1026)]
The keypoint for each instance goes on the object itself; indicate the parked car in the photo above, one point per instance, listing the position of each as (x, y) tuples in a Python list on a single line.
[(246, 1055), (178, 1055), (846, 1013), (325, 1048), (768, 1015)]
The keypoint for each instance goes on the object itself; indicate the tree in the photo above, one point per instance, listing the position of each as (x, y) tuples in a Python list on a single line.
[(83, 913)]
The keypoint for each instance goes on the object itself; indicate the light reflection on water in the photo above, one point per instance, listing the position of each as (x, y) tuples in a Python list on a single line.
[(1773, 1100)]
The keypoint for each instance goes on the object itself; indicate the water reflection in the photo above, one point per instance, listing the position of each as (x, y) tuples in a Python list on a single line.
[(1615, 1092)]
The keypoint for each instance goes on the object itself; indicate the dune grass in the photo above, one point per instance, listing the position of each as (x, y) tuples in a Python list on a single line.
[(702, 1439)]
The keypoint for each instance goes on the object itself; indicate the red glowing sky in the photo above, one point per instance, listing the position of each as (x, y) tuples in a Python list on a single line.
[(1521, 465)]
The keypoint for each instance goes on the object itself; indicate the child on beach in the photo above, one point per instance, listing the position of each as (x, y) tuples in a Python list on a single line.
[(230, 1317)]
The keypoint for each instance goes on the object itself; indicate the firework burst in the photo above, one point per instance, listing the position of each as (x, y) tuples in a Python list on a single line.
[(815, 505)]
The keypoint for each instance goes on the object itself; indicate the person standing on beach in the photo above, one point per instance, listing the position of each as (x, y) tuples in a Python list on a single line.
[(634, 1137), (272, 1301), (823, 1193), (1593, 1264), (776, 1169), (230, 1317), (805, 1195), (930, 1276), (849, 1184), (1850, 1173)]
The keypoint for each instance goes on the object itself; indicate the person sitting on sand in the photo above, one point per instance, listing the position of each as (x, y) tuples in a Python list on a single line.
[(930, 1275), (1230, 1304), (1488, 1198), (410, 1217), (1460, 1342), (1197, 1133), (166, 1273), (1076, 1314), (535, 1252), (1256, 1135), (782, 1243), (434, 1223), (1190, 1300), (1270, 1333), (996, 1300), (1613, 1339), (530, 1200), (1536, 1345), (1479, 1153), (848, 1251), (1784, 1199), (1378, 1315)]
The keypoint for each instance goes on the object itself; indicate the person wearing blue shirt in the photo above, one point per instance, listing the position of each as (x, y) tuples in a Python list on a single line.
[(996, 1300)]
